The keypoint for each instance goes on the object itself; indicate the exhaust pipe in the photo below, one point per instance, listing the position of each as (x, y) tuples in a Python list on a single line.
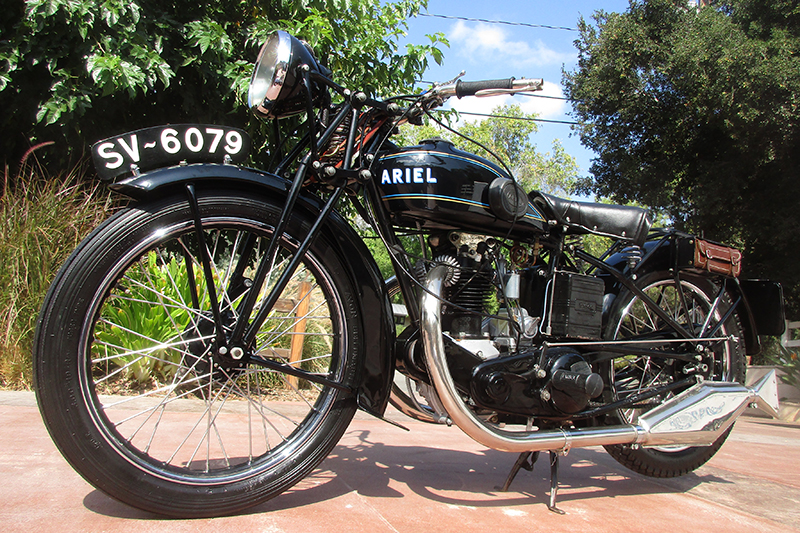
[(696, 417)]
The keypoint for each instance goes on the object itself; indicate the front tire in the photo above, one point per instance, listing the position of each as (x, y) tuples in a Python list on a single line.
[(725, 361), (134, 392)]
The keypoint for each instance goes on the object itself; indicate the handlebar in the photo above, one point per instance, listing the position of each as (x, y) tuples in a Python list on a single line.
[(439, 93), (469, 88), (487, 87)]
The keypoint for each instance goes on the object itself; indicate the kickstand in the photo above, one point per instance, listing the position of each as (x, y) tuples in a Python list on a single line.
[(554, 483), (525, 460)]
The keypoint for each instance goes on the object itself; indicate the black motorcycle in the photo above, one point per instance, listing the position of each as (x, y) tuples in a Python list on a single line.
[(207, 346)]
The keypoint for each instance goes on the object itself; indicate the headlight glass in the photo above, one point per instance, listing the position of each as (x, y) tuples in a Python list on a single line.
[(269, 74), (276, 86)]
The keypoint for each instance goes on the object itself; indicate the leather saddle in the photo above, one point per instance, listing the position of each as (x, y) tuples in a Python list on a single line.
[(618, 221)]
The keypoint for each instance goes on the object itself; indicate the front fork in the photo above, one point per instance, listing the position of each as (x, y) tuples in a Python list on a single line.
[(238, 345)]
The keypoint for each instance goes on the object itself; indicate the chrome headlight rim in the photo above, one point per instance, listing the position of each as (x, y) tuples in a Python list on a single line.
[(270, 73), (276, 88)]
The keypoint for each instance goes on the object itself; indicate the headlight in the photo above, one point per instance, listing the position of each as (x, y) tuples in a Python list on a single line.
[(276, 88)]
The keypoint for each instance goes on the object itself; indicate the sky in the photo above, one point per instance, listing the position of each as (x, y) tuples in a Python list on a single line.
[(492, 51)]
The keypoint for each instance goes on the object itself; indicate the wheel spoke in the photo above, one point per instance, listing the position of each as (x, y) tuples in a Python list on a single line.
[(688, 306), (184, 412)]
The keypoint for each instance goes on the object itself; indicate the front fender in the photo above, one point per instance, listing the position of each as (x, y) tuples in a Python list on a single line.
[(374, 307), (163, 180)]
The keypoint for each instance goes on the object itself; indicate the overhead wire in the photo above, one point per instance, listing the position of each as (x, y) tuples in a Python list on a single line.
[(508, 23), (529, 119)]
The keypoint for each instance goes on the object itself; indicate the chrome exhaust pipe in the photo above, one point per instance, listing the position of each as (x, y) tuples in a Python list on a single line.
[(700, 414), (697, 417)]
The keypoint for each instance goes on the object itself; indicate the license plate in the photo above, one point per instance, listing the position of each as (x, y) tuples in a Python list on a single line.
[(164, 146)]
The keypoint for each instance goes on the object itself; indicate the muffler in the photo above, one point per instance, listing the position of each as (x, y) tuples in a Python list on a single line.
[(696, 417)]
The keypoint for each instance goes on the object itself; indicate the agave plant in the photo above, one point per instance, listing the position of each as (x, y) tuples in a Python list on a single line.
[(789, 361), (137, 324)]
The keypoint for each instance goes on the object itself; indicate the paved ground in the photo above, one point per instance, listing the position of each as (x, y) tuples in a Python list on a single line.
[(432, 479)]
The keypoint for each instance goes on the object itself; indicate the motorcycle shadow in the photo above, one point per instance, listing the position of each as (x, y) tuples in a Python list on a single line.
[(450, 476), (474, 478)]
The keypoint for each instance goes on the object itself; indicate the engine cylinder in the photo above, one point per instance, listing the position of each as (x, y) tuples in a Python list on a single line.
[(470, 293)]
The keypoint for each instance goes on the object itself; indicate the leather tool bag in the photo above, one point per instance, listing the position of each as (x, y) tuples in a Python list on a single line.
[(709, 257)]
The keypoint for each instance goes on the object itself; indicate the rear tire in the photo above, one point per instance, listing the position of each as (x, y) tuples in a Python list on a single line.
[(631, 374), (134, 394)]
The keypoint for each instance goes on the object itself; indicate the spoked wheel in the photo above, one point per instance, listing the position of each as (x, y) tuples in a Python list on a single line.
[(691, 304), (132, 383)]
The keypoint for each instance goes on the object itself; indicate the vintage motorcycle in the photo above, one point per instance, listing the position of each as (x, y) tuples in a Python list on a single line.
[(206, 347)]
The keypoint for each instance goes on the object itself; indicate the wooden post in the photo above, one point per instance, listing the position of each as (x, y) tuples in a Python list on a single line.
[(296, 350)]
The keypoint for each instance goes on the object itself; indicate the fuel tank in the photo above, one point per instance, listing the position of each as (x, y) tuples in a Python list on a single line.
[(438, 186)]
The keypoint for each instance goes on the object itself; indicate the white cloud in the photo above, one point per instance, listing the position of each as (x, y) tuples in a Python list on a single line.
[(543, 107), (484, 42)]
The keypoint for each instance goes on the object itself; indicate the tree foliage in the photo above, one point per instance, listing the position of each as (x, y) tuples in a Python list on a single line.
[(696, 111), (75, 71), (509, 135), (510, 140)]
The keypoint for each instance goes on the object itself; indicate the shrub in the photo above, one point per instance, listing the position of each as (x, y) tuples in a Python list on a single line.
[(789, 361), (42, 219), (76, 71)]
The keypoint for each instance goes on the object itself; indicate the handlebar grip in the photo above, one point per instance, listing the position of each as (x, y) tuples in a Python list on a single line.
[(469, 88)]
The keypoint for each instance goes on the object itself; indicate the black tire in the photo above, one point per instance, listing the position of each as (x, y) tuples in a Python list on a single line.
[(126, 381), (630, 374)]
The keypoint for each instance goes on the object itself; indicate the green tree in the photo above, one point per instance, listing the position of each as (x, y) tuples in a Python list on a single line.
[(509, 135), (75, 71), (696, 111)]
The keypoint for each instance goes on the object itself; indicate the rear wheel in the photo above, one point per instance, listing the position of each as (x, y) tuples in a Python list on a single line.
[(137, 395), (689, 303)]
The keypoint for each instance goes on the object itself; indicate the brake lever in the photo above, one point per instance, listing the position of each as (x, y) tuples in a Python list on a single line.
[(451, 82), (440, 92)]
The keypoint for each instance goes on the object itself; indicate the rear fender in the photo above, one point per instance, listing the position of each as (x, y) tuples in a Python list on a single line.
[(661, 255), (377, 368)]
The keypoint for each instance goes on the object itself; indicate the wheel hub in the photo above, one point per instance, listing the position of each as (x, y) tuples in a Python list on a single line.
[(219, 361)]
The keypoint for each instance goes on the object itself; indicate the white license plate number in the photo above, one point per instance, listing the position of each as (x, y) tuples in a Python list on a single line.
[(164, 146)]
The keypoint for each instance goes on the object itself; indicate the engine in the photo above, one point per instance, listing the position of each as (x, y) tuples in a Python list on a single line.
[(548, 383), (495, 318)]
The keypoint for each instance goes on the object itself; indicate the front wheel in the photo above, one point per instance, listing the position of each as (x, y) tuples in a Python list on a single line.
[(132, 385), (689, 301)]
